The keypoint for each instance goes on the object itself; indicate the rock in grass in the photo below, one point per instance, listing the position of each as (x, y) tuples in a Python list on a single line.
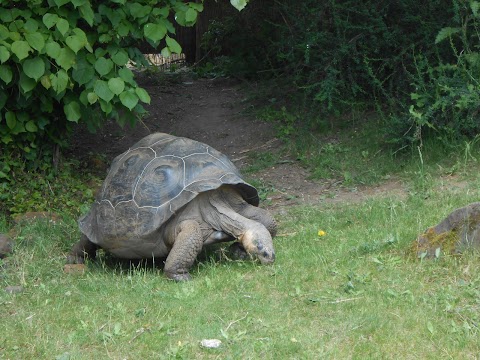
[(211, 343), (14, 289), (6, 245), (457, 232), (74, 269)]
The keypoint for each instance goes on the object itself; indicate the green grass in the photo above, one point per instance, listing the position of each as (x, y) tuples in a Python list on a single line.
[(354, 293)]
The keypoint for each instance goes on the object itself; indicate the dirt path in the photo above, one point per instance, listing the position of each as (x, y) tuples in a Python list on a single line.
[(213, 112)]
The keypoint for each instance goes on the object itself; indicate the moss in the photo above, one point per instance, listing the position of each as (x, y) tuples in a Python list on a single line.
[(431, 240)]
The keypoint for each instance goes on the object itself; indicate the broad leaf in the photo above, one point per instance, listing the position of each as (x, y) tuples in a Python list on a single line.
[(173, 45), (75, 42), (116, 85), (53, 49), (238, 4), (50, 20), (6, 74), (4, 54), (103, 66), (34, 68), (11, 119), (154, 32), (35, 40), (87, 13), (127, 75), (66, 58), (142, 95), (120, 57), (129, 99), (59, 81), (46, 82), (103, 91), (92, 98), (26, 83), (30, 126), (72, 111), (190, 16), (83, 72), (62, 26), (21, 49)]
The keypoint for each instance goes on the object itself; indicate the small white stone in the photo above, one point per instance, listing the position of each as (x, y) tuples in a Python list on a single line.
[(211, 343)]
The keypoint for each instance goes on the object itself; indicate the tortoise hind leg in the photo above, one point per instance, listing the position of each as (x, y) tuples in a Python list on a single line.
[(187, 245), (82, 249)]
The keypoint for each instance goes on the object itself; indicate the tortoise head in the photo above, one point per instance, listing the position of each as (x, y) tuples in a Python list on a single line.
[(258, 243)]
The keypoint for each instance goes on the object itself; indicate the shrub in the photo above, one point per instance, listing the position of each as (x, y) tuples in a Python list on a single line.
[(65, 61)]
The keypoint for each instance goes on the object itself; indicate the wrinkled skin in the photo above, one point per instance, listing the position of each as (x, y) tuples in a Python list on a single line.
[(213, 216)]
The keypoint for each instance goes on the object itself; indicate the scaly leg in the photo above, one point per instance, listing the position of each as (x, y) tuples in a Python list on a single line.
[(82, 249), (187, 245)]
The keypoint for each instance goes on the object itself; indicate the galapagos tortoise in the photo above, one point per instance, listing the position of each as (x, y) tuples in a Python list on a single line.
[(167, 197)]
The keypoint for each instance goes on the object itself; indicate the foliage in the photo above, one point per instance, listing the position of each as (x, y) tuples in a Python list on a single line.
[(69, 191), (65, 61), (446, 97), (414, 63)]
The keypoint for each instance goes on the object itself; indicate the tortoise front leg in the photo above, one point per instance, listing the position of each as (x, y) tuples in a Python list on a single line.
[(82, 249), (187, 245)]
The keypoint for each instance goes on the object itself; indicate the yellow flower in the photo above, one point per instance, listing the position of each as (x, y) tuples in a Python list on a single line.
[(321, 233)]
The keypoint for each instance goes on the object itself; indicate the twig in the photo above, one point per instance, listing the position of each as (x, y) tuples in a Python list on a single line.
[(338, 301), (235, 321), (286, 234)]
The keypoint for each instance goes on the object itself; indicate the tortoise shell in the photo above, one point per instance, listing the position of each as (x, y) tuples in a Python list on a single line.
[(151, 182)]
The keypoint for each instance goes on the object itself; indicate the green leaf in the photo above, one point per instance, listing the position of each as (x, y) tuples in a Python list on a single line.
[(75, 42), (446, 33), (31, 126), (11, 120), (190, 16), (87, 13), (238, 4), (60, 3), (166, 52), (62, 26), (72, 111), (102, 90), (103, 66), (154, 32), (83, 72), (21, 49), (66, 58), (4, 54), (45, 81), (117, 85), (142, 95), (92, 98), (173, 45), (31, 26), (4, 33), (35, 40), (139, 11), (26, 83), (6, 74), (129, 99), (120, 57), (50, 20), (34, 68), (127, 75), (59, 81), (53, 49)]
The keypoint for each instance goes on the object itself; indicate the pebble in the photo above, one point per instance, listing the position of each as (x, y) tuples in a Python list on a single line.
[(211, 343)]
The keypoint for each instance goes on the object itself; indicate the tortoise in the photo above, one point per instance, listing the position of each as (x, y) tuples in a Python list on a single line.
[(168, 197)]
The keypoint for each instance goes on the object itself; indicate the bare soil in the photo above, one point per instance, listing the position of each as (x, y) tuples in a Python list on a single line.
[(214, 111)]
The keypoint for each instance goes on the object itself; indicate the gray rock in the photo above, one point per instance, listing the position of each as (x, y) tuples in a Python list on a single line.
[(458, 231), (6, 245)]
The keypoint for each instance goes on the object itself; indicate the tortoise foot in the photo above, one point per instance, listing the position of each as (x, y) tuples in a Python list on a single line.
[(237, 252), (178, 276)]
